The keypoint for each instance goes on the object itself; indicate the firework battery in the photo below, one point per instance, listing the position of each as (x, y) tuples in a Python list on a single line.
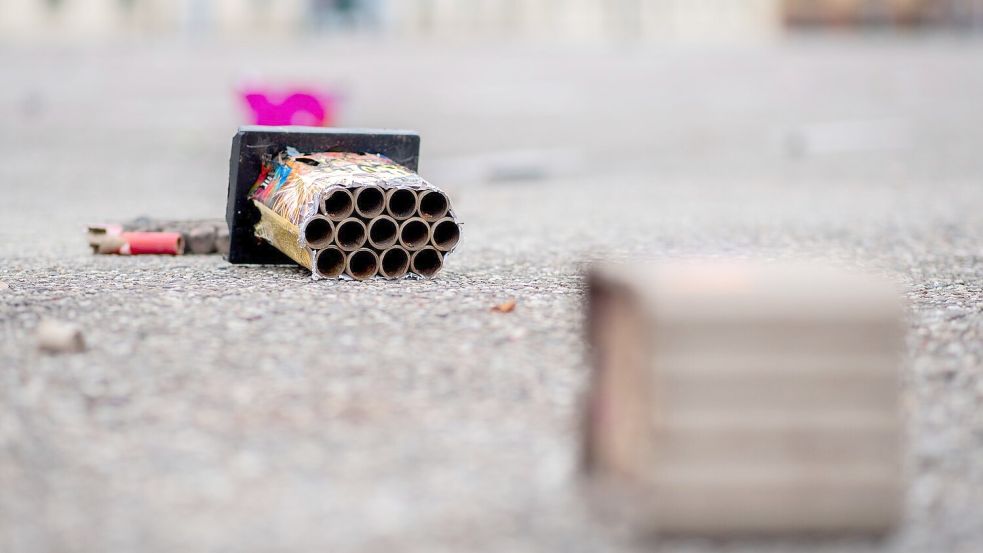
[(342, 203)]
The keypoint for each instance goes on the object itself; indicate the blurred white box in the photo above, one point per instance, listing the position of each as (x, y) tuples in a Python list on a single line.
[(736, 398)]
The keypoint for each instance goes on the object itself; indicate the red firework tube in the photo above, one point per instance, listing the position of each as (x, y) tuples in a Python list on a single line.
[(137, 243)]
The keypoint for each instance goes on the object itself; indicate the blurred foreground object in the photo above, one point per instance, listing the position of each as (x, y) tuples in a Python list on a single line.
[(343, 208), (737, 398)]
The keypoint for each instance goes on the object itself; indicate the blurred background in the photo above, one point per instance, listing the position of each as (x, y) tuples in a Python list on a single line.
[(627, 21), (502, 90)]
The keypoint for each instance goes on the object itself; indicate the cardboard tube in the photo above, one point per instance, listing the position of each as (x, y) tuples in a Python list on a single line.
[(383, 232), (337, 204), (318, 232), (350, 234), (414, 234), (445, 234), (137, 243), (427, 262), (401, 203), (434, 205), (362, 264), (370, 201), (394, 262), (330, 262)]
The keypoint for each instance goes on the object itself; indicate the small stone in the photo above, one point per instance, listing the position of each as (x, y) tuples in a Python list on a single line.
[(201, 240), (222, 240), (59, 337)]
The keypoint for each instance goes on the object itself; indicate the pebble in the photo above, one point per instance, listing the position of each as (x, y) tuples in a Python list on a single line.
[(59, 337), (201, 240)]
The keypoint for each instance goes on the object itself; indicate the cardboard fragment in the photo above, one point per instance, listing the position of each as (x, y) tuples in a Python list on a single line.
[(505, 307)]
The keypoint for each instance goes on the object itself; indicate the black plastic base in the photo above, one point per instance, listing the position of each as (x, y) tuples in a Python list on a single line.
[(251, 144)]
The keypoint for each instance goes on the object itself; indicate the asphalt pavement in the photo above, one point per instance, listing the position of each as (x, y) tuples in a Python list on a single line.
[(248, 408)]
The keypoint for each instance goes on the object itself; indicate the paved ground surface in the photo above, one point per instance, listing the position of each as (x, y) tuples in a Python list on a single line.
[(231, 408)]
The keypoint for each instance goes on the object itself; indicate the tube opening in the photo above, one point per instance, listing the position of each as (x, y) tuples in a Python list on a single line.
[(330, 262), (369, 201), (401, 203), (362, 264), (446, 234), (427, 262), (338, 204), (433, 205), (414, 234), (350, 234), (383, 232), (394, 263), (318, 232)]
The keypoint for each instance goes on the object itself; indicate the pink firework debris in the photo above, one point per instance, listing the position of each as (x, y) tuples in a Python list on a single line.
[(293, 107)]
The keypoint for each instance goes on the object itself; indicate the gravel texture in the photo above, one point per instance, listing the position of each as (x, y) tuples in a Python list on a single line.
[(242, 408)]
